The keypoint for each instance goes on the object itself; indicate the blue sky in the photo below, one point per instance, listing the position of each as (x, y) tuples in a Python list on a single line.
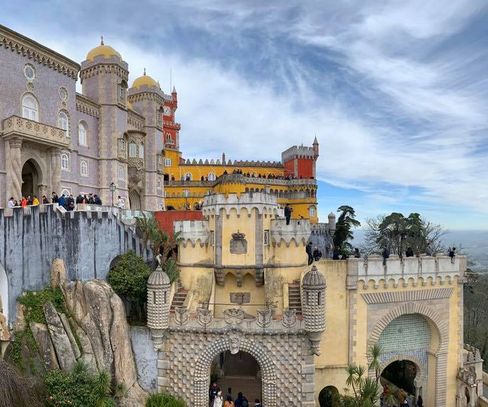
[(396, 91)]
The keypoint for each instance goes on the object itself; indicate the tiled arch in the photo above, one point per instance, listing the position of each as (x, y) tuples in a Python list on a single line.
[(201, 378), (442, 326)]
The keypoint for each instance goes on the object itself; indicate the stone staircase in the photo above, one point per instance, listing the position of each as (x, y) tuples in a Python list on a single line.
[(294, 297), (179, 298)]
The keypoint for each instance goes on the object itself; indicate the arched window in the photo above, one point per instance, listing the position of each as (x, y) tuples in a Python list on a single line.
[(211, 176), (82, 134), (63, 122), (132, 149), (311, 211), (141, 151), (30, 107), (64, 162), (83, 168)]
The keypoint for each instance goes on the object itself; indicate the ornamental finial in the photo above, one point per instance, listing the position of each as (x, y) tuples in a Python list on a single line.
[(101, 40), (144, 71)]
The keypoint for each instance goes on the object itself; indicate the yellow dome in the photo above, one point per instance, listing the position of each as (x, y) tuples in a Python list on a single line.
[(145, 80), (102, 50)]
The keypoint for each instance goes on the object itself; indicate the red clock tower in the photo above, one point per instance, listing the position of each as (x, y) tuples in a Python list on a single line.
[(171, 129)]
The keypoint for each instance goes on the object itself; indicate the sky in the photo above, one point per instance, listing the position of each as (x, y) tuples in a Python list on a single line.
[(396, 92)]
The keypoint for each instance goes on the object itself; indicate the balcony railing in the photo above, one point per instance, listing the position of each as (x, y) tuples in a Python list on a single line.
[(34, 131)]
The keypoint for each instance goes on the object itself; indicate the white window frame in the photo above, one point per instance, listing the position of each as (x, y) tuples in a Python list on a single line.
[(168, 162), (30, 111), (65, 160), (82, 134), (63, 122), (84, 168), (312, 211), (121, 173), (211, 176), (132, 149), (141, 151)]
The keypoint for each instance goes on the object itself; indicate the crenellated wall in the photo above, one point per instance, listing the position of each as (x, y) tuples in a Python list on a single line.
[(33, 237)]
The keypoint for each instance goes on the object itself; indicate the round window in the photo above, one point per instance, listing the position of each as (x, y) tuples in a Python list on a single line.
[(29, 72), (63, 94)]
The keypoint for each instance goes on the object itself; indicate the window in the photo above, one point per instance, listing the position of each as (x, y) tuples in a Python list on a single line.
[(266, 237), (66, 191), (83, 168), (141, 151), (132, 149), (30, 108), (29, 72), (169, 139), (122, 91), (63, 122), (121, 172), (65, 162), (82, 134), (319, 298), (167, 162), (211, 238), (211, 176), (311, 211)]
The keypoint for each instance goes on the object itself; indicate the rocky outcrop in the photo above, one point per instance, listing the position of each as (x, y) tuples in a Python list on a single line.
[(94, 330)]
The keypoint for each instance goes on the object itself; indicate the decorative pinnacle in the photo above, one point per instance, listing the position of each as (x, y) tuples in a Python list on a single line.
[(144, 71), (101, 40)]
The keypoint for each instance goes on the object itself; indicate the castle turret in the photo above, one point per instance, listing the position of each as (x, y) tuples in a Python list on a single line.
[(332, 222), (315, 148), (158, 286), (313, 305)]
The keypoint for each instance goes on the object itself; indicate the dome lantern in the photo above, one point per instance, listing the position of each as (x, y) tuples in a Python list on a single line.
[(104, 51), (158, 287)]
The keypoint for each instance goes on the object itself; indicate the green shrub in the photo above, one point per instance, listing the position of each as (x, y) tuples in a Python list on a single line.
[(35, 300), (164, 400), (128, 279), (78, 388)]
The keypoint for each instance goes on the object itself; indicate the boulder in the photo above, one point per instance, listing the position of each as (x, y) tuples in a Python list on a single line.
[(62, 345), (58, 273), (46, 348)]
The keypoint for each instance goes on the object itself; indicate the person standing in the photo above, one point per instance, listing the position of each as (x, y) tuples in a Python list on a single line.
[(54, 197), (317, 254), (257, 403), (420, 402), (308, 249), (288, 211), (214, 390), (35, 201), (120, 202), (241, 400), (218, 400), (11, 203), (23, 202), (228, 402)]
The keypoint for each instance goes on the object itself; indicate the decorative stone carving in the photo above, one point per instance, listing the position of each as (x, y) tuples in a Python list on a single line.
[(181, 316), (289, 318), (204, 317), (240, 298), (234, 316), (238, 243), (234, 342), (264, 317)]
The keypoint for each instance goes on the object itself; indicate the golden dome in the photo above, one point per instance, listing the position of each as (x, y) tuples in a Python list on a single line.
[(145, 80), (102, 50)]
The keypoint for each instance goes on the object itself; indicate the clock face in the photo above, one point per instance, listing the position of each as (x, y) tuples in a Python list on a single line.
[(167, 111)]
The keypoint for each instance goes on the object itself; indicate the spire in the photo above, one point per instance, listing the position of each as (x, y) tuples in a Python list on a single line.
[(144, 71), (101, 40), (174, 89), (315, 141)]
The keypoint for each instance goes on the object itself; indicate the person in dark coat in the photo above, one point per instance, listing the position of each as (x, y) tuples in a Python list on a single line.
[(288, 211), (308, 249), (385, 254), (97, 200), (54, 197), (214, 390), (409, 252), (241, 400), (317, 254)]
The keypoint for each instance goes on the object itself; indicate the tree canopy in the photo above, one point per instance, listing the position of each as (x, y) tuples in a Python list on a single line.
[(344, 226), (396, 233)]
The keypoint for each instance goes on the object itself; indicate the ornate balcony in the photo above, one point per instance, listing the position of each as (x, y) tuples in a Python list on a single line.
[(36, 132)]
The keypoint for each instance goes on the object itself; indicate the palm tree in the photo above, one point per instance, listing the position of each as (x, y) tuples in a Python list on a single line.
[(374, 353)]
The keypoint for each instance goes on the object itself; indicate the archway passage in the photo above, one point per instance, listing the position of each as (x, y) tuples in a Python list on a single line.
[(399, 378), (239, 373), (134, 200), (30, 179), (329, 397)]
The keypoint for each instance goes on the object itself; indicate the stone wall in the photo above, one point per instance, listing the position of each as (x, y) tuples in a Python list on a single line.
[(33, 237), (287, 368), (145, 356)]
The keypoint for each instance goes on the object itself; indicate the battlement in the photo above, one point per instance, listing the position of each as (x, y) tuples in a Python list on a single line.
[(242, 179), (418, 270), (262, 202), (297, 152), (297, 231), (192, 231), (235, 163)]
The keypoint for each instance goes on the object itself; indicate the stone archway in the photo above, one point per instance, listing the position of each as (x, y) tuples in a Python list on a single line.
[(441, 327), (234, 342), (32, 179)]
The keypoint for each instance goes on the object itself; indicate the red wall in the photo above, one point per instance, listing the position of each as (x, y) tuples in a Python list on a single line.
[(289, 168), (305, 168), (166, 218)]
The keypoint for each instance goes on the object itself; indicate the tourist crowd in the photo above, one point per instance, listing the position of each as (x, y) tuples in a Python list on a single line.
[(68, 202), (218, 400)]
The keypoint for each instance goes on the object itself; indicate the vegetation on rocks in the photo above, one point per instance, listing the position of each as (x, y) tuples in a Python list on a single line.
[(17, 390), (78, 388), (164, 400)]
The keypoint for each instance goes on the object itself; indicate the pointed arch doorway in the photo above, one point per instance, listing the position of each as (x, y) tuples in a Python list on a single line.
[(31, 178)]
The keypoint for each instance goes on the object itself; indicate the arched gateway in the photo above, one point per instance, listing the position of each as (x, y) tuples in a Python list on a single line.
[(234, 344)]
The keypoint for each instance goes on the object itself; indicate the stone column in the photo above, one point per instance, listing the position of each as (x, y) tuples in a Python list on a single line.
[(14, 168), (55, 170)]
